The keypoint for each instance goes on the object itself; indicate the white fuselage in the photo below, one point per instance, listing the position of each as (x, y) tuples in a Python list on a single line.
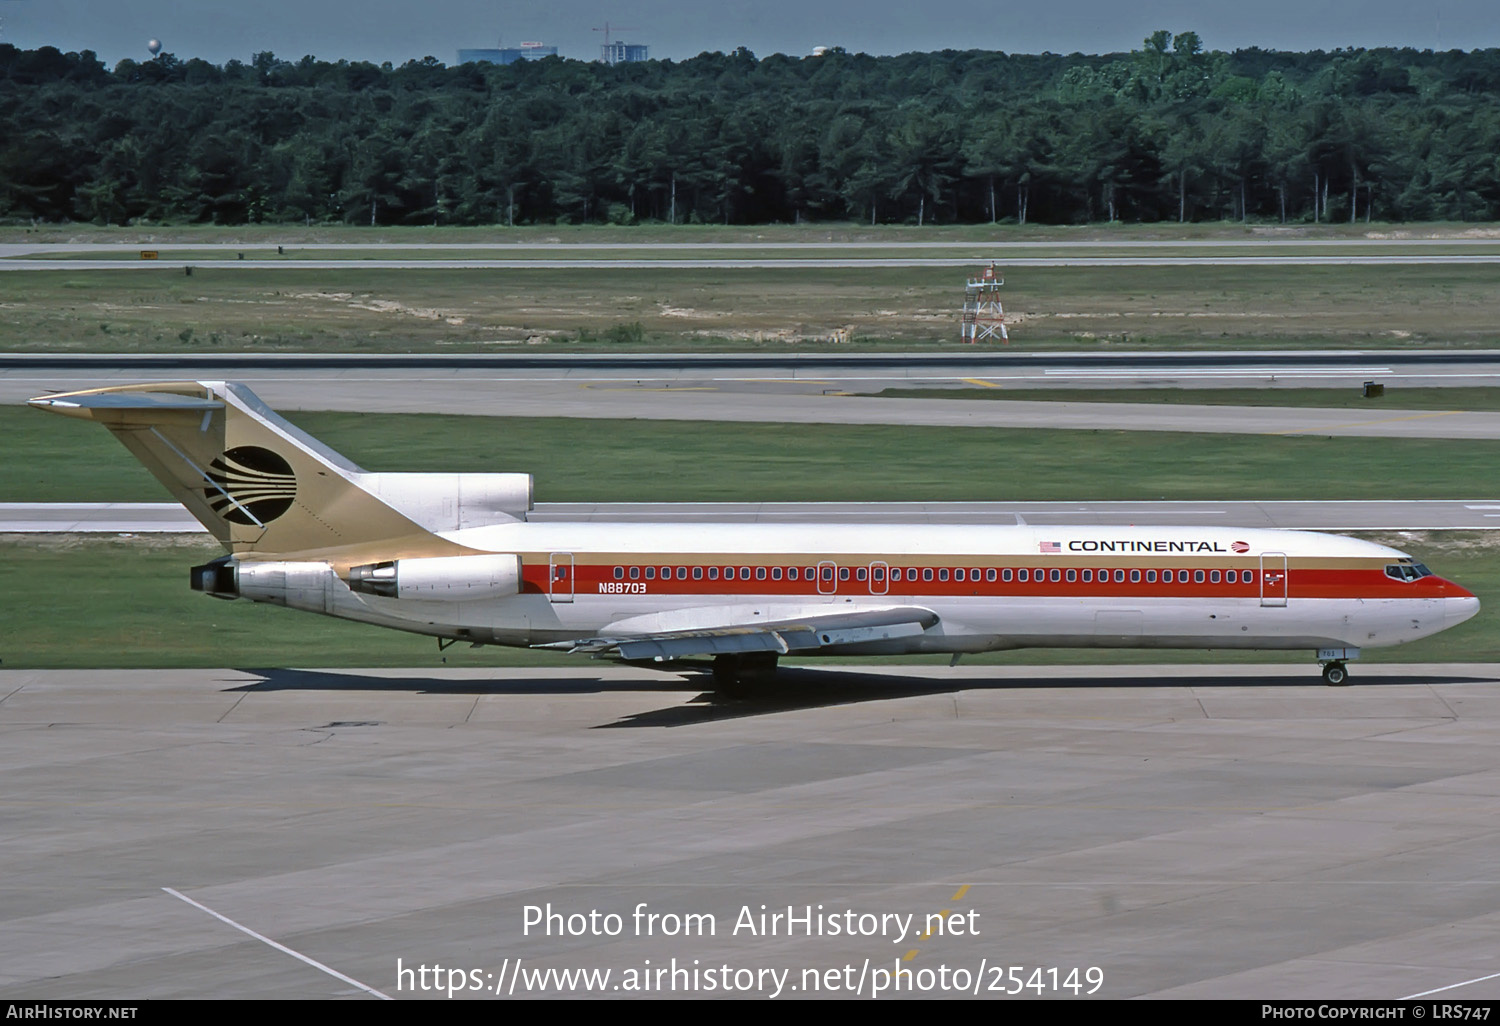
[(990, 587)]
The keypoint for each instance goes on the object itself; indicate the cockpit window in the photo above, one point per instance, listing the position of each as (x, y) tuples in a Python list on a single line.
[(1407, 571)]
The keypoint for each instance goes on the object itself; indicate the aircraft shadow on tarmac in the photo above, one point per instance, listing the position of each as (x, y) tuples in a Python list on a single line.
[(794, 688)]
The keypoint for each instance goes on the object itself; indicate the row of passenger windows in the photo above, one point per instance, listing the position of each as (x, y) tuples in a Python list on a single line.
[(878, 574)]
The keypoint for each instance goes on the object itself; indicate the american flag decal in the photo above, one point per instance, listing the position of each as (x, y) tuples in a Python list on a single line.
[(1051, 547)]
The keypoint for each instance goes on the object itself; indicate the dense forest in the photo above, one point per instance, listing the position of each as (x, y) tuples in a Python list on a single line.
[(1169, 132)]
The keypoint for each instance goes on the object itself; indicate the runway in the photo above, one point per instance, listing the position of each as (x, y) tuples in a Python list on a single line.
[(751, 389), (1250, 252), (1239, 832), (1390, 515)]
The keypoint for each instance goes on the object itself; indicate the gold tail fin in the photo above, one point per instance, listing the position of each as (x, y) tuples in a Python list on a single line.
[(258, 483)]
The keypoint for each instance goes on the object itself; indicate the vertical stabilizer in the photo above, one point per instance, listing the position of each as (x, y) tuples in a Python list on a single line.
[(258, 483)]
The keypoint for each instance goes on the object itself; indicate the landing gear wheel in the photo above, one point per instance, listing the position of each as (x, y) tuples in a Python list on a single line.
[(1335, 674)]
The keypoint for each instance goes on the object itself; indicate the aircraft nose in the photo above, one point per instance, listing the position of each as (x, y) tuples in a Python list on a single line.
[(1457, 609)]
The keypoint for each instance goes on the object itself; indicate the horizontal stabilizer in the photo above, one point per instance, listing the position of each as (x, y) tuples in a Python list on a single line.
[(126, 401)]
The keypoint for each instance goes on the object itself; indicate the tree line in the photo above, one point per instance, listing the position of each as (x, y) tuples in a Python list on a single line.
[(1168, 132)]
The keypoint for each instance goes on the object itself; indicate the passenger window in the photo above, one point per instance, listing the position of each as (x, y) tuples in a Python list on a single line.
[(859, 574), (1119, 576), (1213, 577), (775, 573), (760, 573), (1135, 577), (1166, 576), (1197, 576), (943, 574), (682, 573), (877, 574), (1023, 575), (697, 573), (989, 575), (959, 574), (619, 573), (1072, 576), (828, 573), (843, 573), (1056, 575), (713, 573), (635, 572), (1231, 576), (1005, 575), (1088, 577), (744, 573), (895, 573), (1150, 576), (927, 573), (650, 573), (791, 573)]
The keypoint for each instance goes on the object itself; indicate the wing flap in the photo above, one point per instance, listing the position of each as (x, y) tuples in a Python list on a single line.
[(789, 635)]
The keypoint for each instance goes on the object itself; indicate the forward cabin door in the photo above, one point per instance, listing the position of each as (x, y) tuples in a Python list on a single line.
[(560, 577), (1273, 579)]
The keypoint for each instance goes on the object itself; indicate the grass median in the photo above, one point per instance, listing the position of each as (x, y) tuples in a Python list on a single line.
[(56, 459), (223, 309)]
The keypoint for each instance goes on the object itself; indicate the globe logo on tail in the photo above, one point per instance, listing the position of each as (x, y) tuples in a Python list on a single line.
[(255, 485)]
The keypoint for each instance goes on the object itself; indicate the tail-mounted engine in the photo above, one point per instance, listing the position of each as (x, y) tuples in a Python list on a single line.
[(441, 577)]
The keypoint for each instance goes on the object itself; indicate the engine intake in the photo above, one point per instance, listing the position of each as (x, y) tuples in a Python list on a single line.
[(445, 578)]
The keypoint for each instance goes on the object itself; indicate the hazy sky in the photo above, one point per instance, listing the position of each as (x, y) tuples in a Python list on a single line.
[(398, 30)]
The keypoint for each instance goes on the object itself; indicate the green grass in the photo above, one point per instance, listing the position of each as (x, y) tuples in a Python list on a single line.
[(126, 603), (57, 459), (359, 309), (1395, 398)]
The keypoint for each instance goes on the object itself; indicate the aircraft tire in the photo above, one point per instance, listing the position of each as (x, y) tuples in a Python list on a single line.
[(1335, 675)]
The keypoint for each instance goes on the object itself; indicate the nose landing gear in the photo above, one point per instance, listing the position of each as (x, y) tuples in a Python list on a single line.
[(1335, 673)]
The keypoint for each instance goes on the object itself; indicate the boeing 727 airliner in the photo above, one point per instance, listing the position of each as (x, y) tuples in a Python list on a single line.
[(454, 556)]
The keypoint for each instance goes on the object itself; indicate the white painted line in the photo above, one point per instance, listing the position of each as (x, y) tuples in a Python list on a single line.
[(279, 947), (1451, 986)]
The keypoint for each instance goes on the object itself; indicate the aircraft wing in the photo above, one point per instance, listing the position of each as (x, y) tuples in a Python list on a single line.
[(781, 635)]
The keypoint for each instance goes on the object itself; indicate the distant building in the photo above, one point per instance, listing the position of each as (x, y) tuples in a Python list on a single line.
[(508, 55), (623, 53)]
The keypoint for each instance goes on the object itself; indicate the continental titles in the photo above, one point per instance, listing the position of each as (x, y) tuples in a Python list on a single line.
[(1145, 546)]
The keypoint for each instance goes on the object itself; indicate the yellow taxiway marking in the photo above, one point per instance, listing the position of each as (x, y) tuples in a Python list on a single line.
[(1367, 423), (981, 382), (941, 915), (944, 914)]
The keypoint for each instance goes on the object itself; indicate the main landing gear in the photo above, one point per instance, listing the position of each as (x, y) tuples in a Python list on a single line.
[(1335, 674), (737, 676)]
